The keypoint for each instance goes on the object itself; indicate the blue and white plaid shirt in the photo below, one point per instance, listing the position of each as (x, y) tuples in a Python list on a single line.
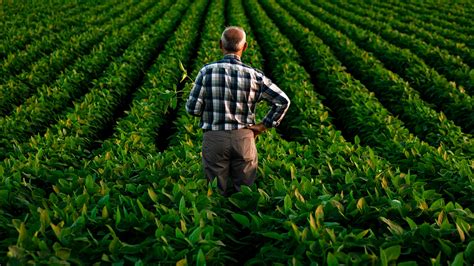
[(226, 93)]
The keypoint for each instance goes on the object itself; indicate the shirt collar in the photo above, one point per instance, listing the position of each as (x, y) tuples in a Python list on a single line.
[(232, 56)]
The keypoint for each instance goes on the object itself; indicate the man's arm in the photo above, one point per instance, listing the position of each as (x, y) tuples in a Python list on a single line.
[(195, 103), (279, 101)]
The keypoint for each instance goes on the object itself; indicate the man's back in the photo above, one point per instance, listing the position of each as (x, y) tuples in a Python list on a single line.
[(226, 93)]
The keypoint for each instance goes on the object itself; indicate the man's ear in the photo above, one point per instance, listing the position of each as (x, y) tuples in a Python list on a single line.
[(245, 46)]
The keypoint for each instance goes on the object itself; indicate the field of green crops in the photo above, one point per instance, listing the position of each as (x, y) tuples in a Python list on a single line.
[(373, 164)]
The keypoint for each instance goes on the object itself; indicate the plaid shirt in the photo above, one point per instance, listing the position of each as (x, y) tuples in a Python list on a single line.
[(226, 93)]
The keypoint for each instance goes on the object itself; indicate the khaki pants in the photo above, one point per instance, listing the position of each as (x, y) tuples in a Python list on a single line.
[(230, 154)]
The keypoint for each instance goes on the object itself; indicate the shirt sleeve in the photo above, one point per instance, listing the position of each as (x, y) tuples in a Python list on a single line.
[(278, 100), (195, 103)]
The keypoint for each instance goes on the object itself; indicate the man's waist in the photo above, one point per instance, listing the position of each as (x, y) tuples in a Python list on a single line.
[(228, 127)]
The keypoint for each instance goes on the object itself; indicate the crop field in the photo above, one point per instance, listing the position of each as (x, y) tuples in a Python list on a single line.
[(373, 164)]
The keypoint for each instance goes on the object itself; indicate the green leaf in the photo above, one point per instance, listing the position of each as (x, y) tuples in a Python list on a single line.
[(458, 260), (201, 259), (287, 204), (114, 245), (392, 226), (332, 260), (174, 103), (178, 233), (195, 235), (89, 183), (356, 140), (242, 219), (181, 66), (256, 221), (63, 253), (152, 195), (408, 263), (182, 262), (383, 258), (56, 230), (118, 216), (445, 247), (274, 235), (469, 252), (393, 252), (182, 205), (183, 77)]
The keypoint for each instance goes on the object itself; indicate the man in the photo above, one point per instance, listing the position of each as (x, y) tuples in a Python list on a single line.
[(225, 95)]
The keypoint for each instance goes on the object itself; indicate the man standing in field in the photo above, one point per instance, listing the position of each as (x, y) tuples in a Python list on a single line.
[(225, 95)]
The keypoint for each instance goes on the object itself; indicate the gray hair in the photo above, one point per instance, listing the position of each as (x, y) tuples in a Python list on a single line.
[(231, 42)]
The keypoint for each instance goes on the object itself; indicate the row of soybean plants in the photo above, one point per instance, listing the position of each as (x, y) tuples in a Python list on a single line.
[(333, 213), (118, 185), (17, 88), (21, 27), (392, 91), (433, 87), (445, 29), (411, 26), (191, 226), (455, 13), (49, 103), (398, 227), (308, 177), (463, 31), (452, 67), (275, 237), (456, 10), (16, 60), (28, 178), (362, 114)]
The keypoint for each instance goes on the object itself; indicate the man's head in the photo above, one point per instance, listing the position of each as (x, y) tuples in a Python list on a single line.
[(233, 40)]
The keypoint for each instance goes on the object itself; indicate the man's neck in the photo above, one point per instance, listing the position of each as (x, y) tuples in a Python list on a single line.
[(239, 55)]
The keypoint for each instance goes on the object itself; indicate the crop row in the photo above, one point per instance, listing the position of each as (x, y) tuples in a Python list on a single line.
[(362, 114), (315, 170), (41, 110), (185, 228), (44, 71), (456, 9), (450, 66), (64, 143), (433, 87), (319, 198), (410, 25), (115, 207), (462, 32), (309, 228), (157, 97), (267, 226), (393, 92), (20, 29), (16, 61), (456, 12)]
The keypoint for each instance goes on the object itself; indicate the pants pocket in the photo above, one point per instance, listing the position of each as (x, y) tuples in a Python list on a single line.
[(245, 148)]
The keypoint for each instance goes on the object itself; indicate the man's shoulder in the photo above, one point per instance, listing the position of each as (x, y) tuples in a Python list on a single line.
[(223, 62), (210, 65), (253, 69)]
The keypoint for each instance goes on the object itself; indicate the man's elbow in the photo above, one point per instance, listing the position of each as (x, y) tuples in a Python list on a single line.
[(285, 103)]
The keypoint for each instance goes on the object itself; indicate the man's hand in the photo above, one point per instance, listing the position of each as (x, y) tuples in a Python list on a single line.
[(257, 129)]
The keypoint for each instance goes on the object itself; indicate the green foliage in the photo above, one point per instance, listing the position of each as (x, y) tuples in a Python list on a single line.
[(341, 181)]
